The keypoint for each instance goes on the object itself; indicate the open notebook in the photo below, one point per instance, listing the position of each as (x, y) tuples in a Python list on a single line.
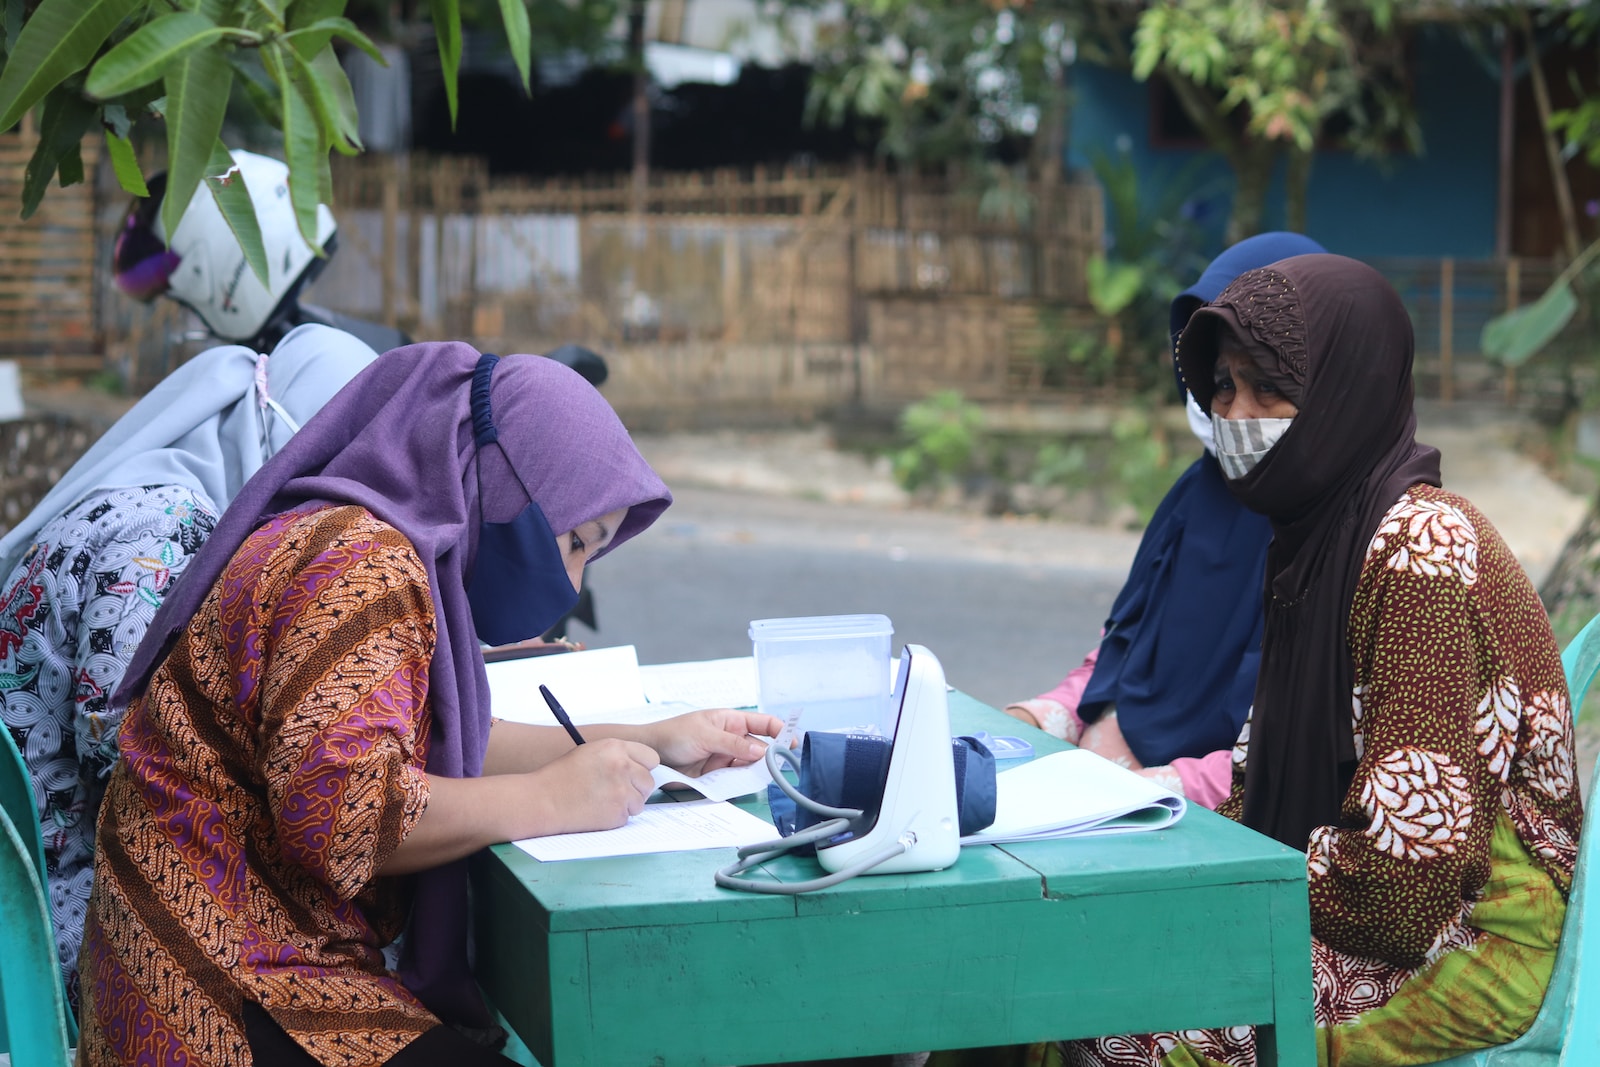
[(1075, 794)]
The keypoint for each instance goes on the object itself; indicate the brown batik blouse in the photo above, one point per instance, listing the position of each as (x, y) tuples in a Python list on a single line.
[(273, 765)]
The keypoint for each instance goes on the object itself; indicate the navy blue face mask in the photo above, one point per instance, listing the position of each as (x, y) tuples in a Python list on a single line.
[(519, 587)]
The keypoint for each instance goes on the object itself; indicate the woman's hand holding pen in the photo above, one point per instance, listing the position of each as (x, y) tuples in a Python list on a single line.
[(704, 741), (595, 786)]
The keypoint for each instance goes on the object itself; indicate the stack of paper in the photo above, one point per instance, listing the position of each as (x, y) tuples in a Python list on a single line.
[(1075, 794), (601, 685)]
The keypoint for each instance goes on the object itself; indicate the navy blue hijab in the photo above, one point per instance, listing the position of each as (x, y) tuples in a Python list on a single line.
[(1182, 646)]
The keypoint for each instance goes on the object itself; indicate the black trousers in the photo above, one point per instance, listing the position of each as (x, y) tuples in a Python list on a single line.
[(439, 1047)]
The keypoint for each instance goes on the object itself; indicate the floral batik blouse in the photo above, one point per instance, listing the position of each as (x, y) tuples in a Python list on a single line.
[(272, 766), (1437, 901), (71, 615)]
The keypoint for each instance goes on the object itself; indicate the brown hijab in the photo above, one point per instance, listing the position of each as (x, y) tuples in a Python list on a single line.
[(1343, 344)]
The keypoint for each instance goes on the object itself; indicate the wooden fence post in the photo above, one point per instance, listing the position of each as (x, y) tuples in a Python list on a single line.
[(1447, 309), (391, 211)]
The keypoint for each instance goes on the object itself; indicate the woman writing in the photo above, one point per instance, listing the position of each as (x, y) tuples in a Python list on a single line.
[(88, 567), (1411, 728), (311, 723)]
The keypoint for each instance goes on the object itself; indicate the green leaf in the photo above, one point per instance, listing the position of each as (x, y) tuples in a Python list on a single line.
[(515, 15), (65, 119), (303, 13), (115, 117), (329, 92), (262, 94), (1514, 336), (303, 148), (267, 15), (59, 40), (228, 189), (13, 20), (70, 168), (125, 163), (1112, 286), (310, 40), (144, 56), (197, 97), (447, 28)]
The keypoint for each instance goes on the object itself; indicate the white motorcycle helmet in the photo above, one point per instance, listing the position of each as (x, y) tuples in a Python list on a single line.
[(204, 268)]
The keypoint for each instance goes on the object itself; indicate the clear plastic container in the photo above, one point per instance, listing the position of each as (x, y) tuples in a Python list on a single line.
[(825, 672)]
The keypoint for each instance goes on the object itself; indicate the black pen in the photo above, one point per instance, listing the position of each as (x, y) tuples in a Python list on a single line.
[(561, 715)]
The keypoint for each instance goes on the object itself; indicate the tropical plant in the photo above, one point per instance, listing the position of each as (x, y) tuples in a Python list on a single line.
[(944, 441), (104, 64), (1264, 79)]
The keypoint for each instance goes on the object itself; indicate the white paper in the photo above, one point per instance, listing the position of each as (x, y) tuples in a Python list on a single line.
[(593, 686), (725, 783), (1072, 794), (696, 824), (711, 683)]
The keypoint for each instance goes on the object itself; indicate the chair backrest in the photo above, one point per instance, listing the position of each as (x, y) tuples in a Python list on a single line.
[(1566, 1032), (16, 798), (36, 1021), (1567, 1029), (16, 802), (1581, 661)]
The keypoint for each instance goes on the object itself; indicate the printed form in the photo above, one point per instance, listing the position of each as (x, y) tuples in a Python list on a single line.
[(686, 827)]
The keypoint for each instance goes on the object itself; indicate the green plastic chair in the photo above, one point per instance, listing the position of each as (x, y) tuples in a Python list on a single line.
[(22, 816), (38, 1027), (16, 797), (1581, 661), (1566, 1032)]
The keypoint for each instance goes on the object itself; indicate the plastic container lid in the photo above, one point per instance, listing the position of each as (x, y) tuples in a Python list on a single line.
[(816, 627)]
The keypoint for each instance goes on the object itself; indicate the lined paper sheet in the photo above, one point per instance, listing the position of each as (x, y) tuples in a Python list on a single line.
[(687, 827)]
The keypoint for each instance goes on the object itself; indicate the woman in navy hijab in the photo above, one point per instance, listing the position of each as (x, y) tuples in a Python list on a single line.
[(1168, 688)]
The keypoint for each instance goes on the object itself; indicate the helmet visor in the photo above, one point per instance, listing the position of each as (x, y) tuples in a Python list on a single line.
[(141, 263)]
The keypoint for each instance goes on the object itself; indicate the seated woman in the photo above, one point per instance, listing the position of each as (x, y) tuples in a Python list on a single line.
[(1411, 728), (88, 567), (309, 754), (1171, 681)]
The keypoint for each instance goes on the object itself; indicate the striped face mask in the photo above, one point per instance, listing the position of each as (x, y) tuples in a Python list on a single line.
[(1242, 442)]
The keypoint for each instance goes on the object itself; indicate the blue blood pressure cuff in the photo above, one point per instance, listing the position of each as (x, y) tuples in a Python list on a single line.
[(845, 770)]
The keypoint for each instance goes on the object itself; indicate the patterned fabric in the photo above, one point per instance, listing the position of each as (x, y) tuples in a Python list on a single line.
[(71, 614), (1437, 902), (271, 768)]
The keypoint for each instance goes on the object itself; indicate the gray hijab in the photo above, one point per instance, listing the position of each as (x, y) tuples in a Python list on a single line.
[(208, 425)]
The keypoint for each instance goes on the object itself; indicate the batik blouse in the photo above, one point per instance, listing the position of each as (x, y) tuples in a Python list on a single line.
[(1437, 900), (71, 614), (273, 765)]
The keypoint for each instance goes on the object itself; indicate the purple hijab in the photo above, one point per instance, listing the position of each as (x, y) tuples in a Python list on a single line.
[(398, 441)]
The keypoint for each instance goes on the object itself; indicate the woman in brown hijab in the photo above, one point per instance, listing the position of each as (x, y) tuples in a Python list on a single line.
[(1411, 728)]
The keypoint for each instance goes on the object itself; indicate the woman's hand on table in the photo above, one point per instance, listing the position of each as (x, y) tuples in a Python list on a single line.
[(1104, 738), (706, 740), (1051, 716), (595, 786)]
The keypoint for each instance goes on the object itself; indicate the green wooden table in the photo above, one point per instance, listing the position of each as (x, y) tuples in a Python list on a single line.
[(643, 961)]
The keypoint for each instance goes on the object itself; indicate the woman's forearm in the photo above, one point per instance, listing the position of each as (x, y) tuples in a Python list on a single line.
[(462, 816)]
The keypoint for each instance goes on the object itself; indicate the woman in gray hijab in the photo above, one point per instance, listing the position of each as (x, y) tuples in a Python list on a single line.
[(88, 567)]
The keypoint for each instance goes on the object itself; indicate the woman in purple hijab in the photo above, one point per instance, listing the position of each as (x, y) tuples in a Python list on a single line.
[(309, 753)]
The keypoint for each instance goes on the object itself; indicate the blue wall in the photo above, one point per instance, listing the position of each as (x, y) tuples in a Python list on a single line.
[(1441, 203)]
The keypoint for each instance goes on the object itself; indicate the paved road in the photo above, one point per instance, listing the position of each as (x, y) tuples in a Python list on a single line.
[(1007, 607)]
